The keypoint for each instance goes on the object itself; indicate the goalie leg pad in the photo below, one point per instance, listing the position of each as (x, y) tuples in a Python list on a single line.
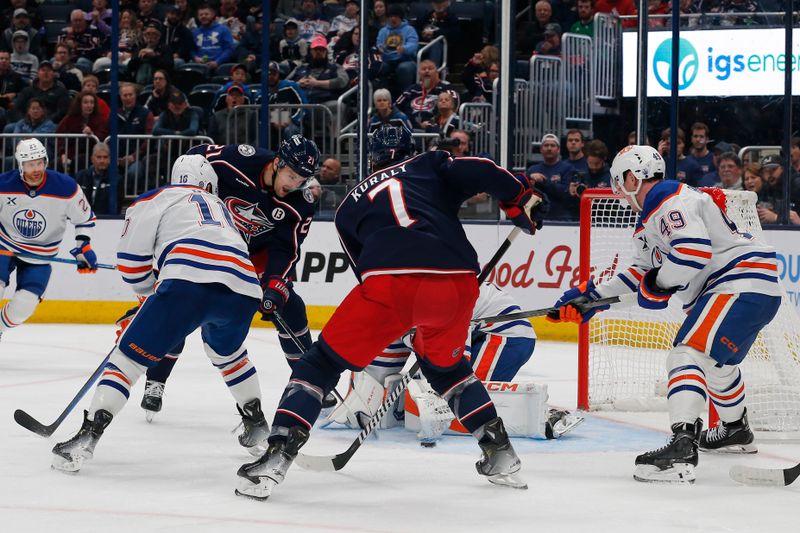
[(363, 399), (18, 309), (114, 387)]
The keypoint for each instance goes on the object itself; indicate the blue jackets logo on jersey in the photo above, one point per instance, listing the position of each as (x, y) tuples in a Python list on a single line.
[(29, 223), (249, 218)]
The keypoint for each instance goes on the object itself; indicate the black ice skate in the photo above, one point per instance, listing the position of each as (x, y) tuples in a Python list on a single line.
[(729, 437), (560, 422), (69, 456), (675, 462), (499, 462), (151, 401), (329, 401), (256, 429), (257, 479)]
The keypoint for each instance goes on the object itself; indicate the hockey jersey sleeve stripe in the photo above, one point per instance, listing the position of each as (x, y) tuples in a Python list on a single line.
[(693, 251), (689, 240), (206, 266), (204, 244), (727, 272), (683, 262), (136, 281), (509, 325), (209, 255), (15, 246), (134, 270), (134, 257), (628, 283), (763, 266)]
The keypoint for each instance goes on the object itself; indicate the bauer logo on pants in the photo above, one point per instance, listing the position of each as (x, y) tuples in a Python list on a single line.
[(29, 223)]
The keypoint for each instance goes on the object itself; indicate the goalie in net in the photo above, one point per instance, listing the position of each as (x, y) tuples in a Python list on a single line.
[(687, 246)]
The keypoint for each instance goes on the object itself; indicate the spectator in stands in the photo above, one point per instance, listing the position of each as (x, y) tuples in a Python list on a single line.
[(533, 32), (100, 17), (477, 75), (152, 54), (186, 14), (418, 101), (553, 176), (322, 80), (767, 205), (713, 178), (157, 101), (686, 7), (771, 206), (575, 155), (11, 84), (287, 9), (311, 22), (45, 87), (22, 61), (293, 49), (742, 13), (249, 49), (9, 8), (284, 122), (86, 42), (345, 22), (68, 74), (179, 119), (34, 122), (90, 84), (619, 7), (438, 22), (795, 155), (147, 12), (177, 37), (655, 10), (95, 181), (700, 152), (130, 37), (384, 112), (233, 125), (689, 171), (596, 163), (21, 21), (730, 172), (133, 119), (238, 77), (585, 23), (398, 43), (232, 16), (446, 119), (346, 54), (377, 20), (213, 41), (84, 118), (551, 41), (462, 149), (330, 172)]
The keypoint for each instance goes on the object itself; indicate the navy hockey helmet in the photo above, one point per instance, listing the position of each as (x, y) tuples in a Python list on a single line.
[(389, 144), (299, 154)]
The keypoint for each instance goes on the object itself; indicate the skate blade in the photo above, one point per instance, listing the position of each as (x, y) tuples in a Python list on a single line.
[(508, 480), (149, 416), (260, 491), (257, 450), (68, 466), (679, 473), (571, 423), (735, 449)]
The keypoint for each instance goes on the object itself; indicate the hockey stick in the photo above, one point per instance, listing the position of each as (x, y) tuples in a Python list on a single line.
[(552, 312), (54, 259), (332, 463), (768, 477), (31, 424)]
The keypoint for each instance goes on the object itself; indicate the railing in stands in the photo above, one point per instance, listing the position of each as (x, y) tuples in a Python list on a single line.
[(606, 56), (426, 51), (577, 83), (546, 105), (66, 152)]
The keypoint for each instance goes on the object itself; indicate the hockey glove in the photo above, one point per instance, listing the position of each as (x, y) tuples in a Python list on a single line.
[(570, 305), (83, 253), (276, 294), (651, 296), (124, 321), (522, 209)]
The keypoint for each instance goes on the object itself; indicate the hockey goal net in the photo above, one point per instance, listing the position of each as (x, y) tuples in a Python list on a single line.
[(622, 351)]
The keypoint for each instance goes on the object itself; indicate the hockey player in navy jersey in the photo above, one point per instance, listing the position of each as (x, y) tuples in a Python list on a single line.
[(687, 247), (205, 279), (400, 230), (36, 204), (265, 193)]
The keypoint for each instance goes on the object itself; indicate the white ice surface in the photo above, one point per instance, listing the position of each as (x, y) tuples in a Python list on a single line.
[(178, 473)]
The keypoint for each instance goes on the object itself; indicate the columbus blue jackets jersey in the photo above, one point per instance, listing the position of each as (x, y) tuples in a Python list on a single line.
[(278, 225), (33, 220), (404, 219)]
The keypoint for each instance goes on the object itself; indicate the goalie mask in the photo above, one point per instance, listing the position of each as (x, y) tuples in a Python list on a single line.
[(644, 162), (194, 170)]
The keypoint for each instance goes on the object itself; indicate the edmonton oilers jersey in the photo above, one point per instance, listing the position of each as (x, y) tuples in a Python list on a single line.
[(404, 219), (33, 220), (266, 222)]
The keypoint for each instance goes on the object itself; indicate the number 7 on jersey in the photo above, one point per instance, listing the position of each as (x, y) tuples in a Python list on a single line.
[(396, 200)]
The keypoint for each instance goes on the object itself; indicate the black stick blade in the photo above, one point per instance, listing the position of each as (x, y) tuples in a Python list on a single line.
[(31, 424)]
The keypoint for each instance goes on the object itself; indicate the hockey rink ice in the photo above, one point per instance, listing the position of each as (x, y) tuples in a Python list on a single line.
[(178, 473)]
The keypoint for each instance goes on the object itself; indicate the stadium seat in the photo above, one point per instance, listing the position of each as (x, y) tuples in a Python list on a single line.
[(203, 95), (190, 75), (52, 29), (145, 94), (56, 12), (223, 73)]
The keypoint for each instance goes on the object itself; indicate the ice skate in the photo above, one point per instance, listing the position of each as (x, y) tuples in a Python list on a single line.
[(729, 437), (257, 479), (151, 401), (70, 455), (499, 462), (256, 429), (560, 422), (675, 462)]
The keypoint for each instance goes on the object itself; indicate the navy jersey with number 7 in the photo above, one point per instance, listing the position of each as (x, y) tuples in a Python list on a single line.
[(403, 219)]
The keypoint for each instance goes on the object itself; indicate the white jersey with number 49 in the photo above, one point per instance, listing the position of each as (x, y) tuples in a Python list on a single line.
[(698, 248), (183, 232)]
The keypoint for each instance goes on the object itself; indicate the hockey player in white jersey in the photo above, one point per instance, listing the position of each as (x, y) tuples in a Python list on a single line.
[(686, 246), (36, 204), (204, 279)]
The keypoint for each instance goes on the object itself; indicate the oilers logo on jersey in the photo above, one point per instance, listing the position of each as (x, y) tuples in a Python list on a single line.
[(29, 223), (249, 218), (656, 257)]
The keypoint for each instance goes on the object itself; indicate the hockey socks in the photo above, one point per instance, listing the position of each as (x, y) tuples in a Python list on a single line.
[(114, 388), (238, 373), (19, 309)]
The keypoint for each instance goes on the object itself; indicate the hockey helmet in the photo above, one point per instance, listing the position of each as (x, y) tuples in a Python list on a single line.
[(299, 154), (194, 170), (389, 144), (30, 150), (644, 162)]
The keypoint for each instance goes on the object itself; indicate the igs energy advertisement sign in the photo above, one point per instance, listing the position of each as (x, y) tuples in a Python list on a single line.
[(748, 62)]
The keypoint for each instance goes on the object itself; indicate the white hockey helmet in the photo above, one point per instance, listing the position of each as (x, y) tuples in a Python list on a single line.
[(194, 170), (644, 162), (30, 150)]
